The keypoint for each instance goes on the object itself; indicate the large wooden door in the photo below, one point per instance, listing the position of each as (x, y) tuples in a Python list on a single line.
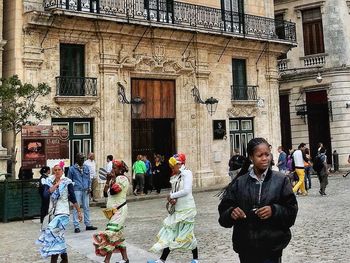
[(153, 131), (318, 121), (159, 97)]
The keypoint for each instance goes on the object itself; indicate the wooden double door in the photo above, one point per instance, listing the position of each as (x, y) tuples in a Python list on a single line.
[(153, 131)]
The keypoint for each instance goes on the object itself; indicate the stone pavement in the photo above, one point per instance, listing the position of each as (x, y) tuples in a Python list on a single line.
[(321, 233)]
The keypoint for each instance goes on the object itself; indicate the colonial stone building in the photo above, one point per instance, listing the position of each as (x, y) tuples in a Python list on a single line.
[(101, 56), (3, 152), (315, 76)]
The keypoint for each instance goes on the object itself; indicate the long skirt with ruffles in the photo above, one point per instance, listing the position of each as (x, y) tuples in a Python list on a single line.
[(177, 231), (52, 237), (112, 239)]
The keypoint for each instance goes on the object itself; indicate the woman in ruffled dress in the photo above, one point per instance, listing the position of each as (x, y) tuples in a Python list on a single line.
[(112, 239), (177, 231), (59, 189)]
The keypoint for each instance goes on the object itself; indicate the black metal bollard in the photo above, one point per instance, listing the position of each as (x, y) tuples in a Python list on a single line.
[(335, 160)]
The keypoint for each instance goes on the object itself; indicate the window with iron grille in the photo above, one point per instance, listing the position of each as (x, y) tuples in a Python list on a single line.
[(233, 15), (72, 70), (239, 79), (313, 31)]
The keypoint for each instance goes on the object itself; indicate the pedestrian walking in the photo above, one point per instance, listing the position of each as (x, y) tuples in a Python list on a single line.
[(44, 173), (109, 163), (282, 160), (148, 175), (177, 231), (298, 157), (235, 163), (80, 175), (345, 175), (158, 171), (260, 206), (58, 190), (307, 167), (91, 164), (323, 172), (139, 169), (112, 239)]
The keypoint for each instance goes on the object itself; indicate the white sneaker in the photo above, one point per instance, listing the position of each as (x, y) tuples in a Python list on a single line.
[(194, 261), (123, 261), (155, 261)]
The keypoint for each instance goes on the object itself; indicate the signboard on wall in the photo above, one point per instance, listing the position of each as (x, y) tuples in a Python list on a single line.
[(219, 129), (44, 145)]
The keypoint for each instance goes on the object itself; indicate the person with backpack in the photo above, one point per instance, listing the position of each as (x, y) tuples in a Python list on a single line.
[(235, 163), (320, 166)]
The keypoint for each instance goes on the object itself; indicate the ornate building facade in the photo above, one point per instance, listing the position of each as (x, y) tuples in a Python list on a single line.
[(315, 76), (101, 56)]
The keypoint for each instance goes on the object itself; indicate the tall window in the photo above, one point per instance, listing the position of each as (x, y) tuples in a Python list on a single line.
[(313, 31), (239, 89), (241, 132), (233, 15), (72, 71), (280, 31)]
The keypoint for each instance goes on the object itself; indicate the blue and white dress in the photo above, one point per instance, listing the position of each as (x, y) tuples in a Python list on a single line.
[(52, 234)]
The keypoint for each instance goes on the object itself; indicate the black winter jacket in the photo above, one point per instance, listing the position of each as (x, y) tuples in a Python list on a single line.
[(252, 234)]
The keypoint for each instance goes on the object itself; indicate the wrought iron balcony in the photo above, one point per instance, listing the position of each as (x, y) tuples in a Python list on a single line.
[(183, 15), (243, 92), (76, 86)]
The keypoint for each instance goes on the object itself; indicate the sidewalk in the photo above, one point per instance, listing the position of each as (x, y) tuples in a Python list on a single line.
[(82, 243)]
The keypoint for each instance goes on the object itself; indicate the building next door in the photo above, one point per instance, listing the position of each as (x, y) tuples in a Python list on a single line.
[(80, 135), (318, 122), (153, 131)]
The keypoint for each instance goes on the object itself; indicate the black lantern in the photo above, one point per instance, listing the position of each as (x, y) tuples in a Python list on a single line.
[(211, 102), (136, 102)]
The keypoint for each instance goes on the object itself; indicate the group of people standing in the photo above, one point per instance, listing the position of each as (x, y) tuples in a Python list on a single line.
[(147, 176), (298, 164)]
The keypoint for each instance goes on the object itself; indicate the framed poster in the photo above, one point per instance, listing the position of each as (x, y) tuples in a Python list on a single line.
[(219, 129)]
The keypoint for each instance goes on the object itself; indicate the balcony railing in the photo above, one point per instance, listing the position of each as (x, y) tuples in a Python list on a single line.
[(243, 92), (76, 86), (184, 15), (314, 60)]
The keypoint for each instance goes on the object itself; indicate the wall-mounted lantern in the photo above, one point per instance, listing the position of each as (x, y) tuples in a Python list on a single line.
[(136, 102), (211, 102)]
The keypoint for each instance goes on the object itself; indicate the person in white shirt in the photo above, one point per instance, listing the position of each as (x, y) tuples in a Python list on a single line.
[(109, 164), (90, 162), (298, 157)]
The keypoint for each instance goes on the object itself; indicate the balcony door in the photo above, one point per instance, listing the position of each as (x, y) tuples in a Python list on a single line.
[(239, 73), (233, 15), (72, 70)]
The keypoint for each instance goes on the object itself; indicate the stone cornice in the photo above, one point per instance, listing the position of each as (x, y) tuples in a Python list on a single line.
[(74, 100), (32, 63)]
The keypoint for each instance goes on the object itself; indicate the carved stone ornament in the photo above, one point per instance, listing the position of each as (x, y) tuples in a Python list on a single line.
[(75, 112), (242, 111)]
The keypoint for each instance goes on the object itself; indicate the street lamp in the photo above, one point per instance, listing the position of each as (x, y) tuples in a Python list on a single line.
[(211, 102), (136, 102)]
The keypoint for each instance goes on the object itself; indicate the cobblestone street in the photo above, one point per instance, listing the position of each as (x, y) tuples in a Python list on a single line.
[(321, 232)]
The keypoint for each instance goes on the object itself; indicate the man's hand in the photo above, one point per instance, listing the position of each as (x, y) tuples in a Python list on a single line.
[(238, 213), (80, 217), (264, 212)]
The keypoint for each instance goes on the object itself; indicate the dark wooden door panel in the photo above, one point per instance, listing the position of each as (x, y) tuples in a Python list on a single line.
[(159, 97)]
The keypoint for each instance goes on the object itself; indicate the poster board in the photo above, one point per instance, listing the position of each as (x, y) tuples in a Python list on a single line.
[(44, 145)]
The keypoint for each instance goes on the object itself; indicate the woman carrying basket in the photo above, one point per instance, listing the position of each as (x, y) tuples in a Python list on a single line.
[(112, 239)]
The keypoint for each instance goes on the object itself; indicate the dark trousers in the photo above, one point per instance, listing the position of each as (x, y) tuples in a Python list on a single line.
[(255, 259), (148, 184), (44, 208), (323, 178)]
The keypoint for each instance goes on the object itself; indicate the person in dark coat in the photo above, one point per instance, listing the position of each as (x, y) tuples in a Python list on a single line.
[(44, 173), (260, 206)]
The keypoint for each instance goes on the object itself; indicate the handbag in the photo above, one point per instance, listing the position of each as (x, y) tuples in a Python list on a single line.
[(109, 212), (170, 207)]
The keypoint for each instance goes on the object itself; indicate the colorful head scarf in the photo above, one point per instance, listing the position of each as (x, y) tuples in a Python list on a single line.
[(122, 165), (178, 158)]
